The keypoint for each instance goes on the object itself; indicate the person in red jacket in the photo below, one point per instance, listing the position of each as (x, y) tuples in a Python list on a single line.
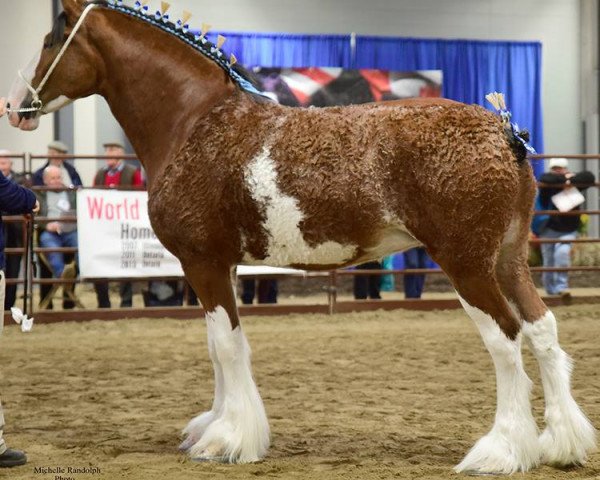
[(116, 173), (14, 200)]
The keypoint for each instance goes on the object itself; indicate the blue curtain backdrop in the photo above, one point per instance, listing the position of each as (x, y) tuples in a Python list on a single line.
[(289, 50), (471, 69)]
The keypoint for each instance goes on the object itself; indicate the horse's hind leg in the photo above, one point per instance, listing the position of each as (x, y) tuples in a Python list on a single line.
[(197, 426), (236, 428), (568, 435), (512, 443)]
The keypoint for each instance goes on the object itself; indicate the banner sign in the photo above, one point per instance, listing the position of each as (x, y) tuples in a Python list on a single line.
[(116, 239), (324, 86)]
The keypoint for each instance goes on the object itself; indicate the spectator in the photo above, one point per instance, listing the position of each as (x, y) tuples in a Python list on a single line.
[(559, 227), (116, 173), (367, 285), (267, 290), (55, 204), (13, 234), (413, 283), (55, 234), (69, 175)]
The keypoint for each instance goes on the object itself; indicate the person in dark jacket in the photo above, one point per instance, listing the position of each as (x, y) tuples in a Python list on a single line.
[(14, 200), (13, 233), (69, 174), (559, 227)]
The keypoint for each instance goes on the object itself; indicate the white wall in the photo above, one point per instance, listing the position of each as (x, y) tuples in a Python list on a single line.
[(23, 25), (553, 22)]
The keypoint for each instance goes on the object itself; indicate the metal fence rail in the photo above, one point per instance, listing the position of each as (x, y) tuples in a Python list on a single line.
[(333, 305)]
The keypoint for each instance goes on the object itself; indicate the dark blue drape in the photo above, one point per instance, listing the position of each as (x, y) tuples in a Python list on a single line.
[(289, 50), (471, 69)]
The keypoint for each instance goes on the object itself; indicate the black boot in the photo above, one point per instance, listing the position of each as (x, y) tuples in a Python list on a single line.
[(12, 458)]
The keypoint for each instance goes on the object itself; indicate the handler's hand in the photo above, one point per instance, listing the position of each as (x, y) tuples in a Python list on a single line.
[(53, 227), (2, 106), (36, 207)]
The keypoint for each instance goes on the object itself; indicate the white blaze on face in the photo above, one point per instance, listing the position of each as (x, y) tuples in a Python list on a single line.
[(18, 93), (283, 216)]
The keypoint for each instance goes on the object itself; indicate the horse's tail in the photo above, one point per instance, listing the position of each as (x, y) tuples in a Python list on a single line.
[(517, 139)]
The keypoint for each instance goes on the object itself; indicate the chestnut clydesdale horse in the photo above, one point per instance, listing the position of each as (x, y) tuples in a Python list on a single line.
[(234, 178)]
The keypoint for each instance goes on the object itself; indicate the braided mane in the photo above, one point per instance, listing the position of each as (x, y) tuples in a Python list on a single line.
[(198, 42)]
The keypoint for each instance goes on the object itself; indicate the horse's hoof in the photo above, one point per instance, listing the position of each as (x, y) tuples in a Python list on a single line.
[(210, 458), (186, 444)]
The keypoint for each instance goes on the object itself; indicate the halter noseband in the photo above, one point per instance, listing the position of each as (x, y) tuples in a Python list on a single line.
[(36, 103)]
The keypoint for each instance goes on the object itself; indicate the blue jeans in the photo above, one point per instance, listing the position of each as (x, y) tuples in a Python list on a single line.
[(556, 255), (54, 240), (413, 284)]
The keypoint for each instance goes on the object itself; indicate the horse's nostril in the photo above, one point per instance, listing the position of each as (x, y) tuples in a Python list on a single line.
[(8, 105)]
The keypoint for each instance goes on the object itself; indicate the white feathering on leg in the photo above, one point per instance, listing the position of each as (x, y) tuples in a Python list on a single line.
[(512, 443), (569, 435), (197, 426), (240, 431)]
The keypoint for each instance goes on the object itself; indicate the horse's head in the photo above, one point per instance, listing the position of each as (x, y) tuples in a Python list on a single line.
[(67, 68)]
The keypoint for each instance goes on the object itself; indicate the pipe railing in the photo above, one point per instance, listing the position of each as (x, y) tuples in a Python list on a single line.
[(333, 276)]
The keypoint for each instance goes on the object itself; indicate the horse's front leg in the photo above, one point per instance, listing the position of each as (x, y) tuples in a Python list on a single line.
[(236, 428)]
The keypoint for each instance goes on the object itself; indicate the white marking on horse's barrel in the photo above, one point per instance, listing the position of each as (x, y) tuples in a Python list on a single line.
[(283, 216)]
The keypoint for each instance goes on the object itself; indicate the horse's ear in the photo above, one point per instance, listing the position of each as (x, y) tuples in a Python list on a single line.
[(72, 7)]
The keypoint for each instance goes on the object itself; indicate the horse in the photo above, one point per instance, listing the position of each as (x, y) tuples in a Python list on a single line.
[(234, 178)]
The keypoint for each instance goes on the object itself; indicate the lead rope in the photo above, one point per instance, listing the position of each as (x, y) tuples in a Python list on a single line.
[(29, 266), (36, 103)]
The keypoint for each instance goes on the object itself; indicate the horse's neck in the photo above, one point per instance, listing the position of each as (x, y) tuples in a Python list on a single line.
[(157, 94)]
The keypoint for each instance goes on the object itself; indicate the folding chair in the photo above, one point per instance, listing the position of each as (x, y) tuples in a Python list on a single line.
[(68, 289)]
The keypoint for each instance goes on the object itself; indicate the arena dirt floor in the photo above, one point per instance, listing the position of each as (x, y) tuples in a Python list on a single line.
[(378, 395)]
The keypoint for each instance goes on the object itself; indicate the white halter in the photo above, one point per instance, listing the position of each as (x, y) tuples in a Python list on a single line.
[(36, 103)]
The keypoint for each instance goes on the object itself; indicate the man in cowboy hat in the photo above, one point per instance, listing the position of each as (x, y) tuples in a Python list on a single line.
[(56, 150)]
